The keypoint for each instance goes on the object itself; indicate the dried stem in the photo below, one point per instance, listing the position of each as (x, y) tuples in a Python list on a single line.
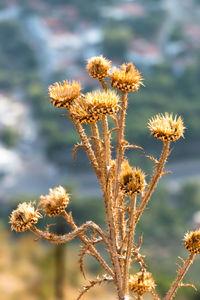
[(121, 217), (103, 84), (93, 283), (154, 295), (130, 239), (87, 146), (97, 145), (85, 240), (181, 273), (106, 139), (120, 148), (59, 239), (154, 179), (108, 200)]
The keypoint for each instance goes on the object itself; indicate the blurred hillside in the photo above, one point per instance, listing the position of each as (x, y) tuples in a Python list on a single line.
[(47, 41)]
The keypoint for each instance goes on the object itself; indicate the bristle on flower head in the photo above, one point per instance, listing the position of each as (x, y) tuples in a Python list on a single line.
[(63, 94), (94, 106), (98, 67), (192, 241), (55, 202), (141, 283), (126, 79), (132, 180), (166, 128), (24, 217)]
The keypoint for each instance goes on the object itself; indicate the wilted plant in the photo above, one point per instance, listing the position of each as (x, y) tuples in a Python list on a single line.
[(125, 190)]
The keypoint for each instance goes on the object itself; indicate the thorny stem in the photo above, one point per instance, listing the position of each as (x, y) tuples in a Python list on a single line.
[(103, 84), (121, 220), (112, 234), (154, 295), (181, 273), (108, 200), (106, 139), (154, 179), (87, 146), (91, 248), (58, 239), (120, 148), (97, 145), (130, 239)]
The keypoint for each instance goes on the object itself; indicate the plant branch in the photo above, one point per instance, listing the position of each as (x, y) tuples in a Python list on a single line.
[(93, 283), (130, 239), (154, 179), (87, 146), (181, 273), (59, 239), (91, 248), (119, 148), (97, 145)]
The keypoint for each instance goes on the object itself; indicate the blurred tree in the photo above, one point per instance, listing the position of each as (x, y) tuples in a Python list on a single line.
[(116, 41), (9, 137)]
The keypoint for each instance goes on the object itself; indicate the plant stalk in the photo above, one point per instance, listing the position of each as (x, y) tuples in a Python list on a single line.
[(154, 179), (181, 273)]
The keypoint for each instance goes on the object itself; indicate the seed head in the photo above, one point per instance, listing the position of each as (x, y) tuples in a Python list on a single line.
[(63, 94), (141, 283), (192, 241), (127, 78), (94, 106), (132, 180), (98, 67), (55, 202), (24, 217), (165, 128)]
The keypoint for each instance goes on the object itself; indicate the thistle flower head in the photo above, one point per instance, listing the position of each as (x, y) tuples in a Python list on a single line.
[(94, 106), (24, 217), (166, 128), (63, 94), (141, 283), (192, 241), (127, 78), (98, 67), (132, 180), (55, 202)]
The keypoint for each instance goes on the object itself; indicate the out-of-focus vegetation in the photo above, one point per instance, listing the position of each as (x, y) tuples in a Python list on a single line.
[(17, 61)]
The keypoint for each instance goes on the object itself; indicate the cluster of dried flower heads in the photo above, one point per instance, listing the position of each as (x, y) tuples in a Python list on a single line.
[(124, 188)]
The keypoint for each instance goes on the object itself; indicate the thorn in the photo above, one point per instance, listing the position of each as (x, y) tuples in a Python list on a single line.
[(152, 158), (181, 259), (76, 147), (166, 172), (188, 285)]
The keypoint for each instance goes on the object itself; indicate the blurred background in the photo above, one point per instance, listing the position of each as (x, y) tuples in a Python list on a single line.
[(44, 41)]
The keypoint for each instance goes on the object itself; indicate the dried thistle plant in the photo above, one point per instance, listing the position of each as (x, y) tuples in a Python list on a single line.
[(124, 188)]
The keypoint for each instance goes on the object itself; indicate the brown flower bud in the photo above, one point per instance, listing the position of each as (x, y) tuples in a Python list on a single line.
[(98, 67), (192, 241), (24, 217), (132, 180), (165, 128), (55, 202), (94, 106), (63, 94), (126, 79), (141, 283)]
